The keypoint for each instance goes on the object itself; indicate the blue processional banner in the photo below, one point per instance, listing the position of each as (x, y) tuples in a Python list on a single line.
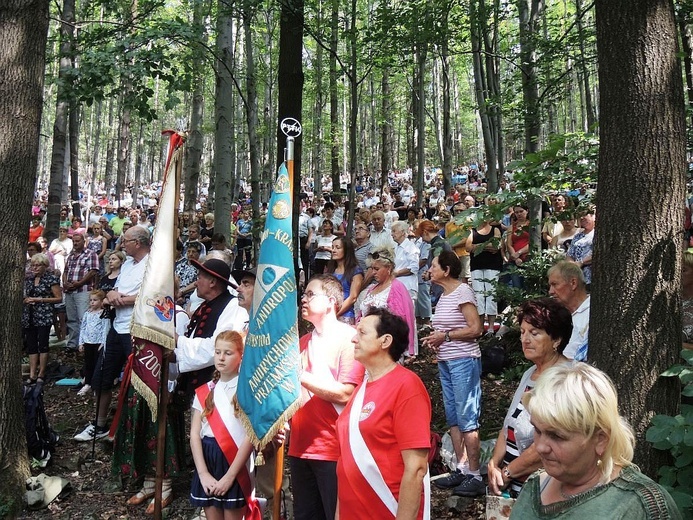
[(268, 385)]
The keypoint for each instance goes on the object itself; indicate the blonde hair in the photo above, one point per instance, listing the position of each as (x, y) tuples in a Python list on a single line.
[(579, 398), (687, 260)]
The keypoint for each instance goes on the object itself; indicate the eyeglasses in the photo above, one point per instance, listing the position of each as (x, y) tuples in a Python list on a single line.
[(128, 240), (309, 295)]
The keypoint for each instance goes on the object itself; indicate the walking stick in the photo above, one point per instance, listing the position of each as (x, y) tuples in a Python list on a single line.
[(278, 479)]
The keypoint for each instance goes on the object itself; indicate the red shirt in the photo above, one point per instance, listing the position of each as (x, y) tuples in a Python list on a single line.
[(313, 433), (396, 416)]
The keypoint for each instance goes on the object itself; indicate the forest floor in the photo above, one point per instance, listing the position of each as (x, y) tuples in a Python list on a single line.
[(95, 495)]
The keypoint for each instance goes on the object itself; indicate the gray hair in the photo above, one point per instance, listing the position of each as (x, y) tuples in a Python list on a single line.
[(399, 225), (219, 255), (568, 270), (140, 234)]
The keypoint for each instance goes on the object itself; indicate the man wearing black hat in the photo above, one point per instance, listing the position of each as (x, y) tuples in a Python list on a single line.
[(220, 311)]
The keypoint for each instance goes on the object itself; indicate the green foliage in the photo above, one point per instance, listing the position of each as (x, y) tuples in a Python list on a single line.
[(568, 161), (534, 271), (675, 434)]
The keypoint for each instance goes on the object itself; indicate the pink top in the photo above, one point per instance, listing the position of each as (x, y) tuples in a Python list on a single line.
[(449, 316)]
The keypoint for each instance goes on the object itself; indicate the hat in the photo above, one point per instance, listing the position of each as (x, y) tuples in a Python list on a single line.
[(216, 268), (239, 274)]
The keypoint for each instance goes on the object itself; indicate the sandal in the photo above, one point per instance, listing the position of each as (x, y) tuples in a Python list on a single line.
[(143, 494), (166, 498), (30, 381)]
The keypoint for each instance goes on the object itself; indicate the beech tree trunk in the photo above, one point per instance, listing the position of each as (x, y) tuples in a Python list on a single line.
[(59, 150), (635, 325), (224, 157), (193, 150), (23, 33)]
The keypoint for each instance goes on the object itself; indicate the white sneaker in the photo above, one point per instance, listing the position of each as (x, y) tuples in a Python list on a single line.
[(90, 432), (84, 390)]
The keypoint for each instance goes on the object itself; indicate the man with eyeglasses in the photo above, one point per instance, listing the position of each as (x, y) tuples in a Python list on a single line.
[(136, 243), (329, 377)]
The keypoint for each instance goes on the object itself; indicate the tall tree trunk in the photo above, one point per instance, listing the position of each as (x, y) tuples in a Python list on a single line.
[(353, 119), (110, 151), (59, 152), (74, 158), (420, 119), (123, 147), (251, 110), (386, 125), (139, 154), (584, 70), (529, 13), (193, 150), (291, 91), (224, 157), (635, 331), (686, 34), (23, 33), (94, 166), (317, 160), (334, 101), (447, 130)]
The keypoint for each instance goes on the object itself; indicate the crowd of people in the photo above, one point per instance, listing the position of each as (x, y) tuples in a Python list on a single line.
[(402, 276)]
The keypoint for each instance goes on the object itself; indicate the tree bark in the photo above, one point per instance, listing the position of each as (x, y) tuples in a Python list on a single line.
[(251, 109), (23, 34), (529, 13), (193, 150), (291, 92), (59, 150), (224, 157), (635, 327), (334, 101)]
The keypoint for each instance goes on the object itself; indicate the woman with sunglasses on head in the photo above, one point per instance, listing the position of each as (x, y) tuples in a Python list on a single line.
[(388, 292)]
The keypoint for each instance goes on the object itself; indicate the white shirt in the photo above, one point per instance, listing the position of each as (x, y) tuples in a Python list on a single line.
[(581, 326), (197, 353), (382, 239), (407, 257), (128, 283)]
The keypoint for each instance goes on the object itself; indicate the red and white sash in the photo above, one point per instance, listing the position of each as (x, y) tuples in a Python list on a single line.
[(367, 465), (229, 440)]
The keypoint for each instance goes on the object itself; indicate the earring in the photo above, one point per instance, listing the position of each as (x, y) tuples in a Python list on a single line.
[(599, 463)]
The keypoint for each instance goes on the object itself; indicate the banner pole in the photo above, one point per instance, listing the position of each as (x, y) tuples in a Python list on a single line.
[(162, 410)]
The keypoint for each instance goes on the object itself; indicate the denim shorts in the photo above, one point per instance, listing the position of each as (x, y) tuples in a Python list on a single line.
[(461, 382)]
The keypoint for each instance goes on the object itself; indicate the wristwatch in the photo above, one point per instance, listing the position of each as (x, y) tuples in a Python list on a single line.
[(447, 336), (506, 473)]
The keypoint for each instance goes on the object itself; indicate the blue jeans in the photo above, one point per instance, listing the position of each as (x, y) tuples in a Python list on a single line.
[(461, 384), (76, 304)]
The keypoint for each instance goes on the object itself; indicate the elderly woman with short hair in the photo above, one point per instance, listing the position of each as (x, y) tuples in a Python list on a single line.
[(457, 326), (383, 461), (586, 449), (41, 293), (545, 329)]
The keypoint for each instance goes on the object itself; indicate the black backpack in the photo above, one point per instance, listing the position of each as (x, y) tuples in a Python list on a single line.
[(40, 437)]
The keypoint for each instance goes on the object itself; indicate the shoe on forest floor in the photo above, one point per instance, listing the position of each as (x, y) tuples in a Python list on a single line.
[(90, 432), (84, 390), (471, 487), (451, 480)]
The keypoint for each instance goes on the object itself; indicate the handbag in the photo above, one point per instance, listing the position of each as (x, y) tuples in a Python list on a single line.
[(498, 507)]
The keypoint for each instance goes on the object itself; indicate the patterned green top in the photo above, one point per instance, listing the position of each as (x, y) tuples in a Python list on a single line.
[(631, 495)]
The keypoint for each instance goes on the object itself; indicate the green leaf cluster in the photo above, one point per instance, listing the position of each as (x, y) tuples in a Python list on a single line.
[(675, 434)]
